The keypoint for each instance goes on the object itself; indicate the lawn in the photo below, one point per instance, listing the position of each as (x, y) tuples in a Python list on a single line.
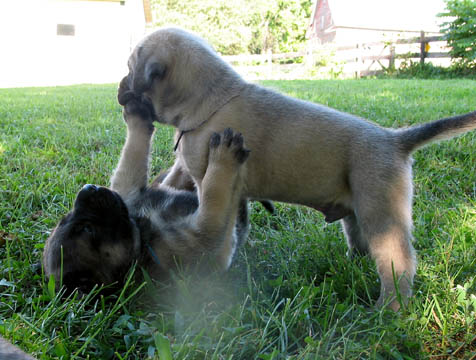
[(285, 296)]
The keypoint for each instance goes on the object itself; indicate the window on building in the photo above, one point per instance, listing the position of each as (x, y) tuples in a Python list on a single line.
[(65, 30)]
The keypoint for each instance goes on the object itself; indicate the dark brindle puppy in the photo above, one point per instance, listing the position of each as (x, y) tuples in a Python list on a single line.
[(157, 226)]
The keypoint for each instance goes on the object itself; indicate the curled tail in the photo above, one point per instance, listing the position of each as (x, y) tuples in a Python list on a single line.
[(420, 135)]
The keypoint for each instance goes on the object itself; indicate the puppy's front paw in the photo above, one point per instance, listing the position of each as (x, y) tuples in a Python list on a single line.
[(136, 119), (124, 92), (140, 106), (134, 103), (228, 147)]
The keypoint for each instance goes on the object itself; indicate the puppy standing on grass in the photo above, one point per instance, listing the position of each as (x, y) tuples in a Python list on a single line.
[(157, 226), (303, 153)]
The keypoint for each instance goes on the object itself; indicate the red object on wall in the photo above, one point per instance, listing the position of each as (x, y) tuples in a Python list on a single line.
[(322, 26)]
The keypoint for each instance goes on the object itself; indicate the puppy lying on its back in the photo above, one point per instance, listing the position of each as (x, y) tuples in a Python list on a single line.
[(160, 227)]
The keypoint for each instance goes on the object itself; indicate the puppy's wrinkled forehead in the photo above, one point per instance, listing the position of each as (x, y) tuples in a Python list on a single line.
[(147, 63), (166, 46), (160, 54), (151, 46), (137, 53)]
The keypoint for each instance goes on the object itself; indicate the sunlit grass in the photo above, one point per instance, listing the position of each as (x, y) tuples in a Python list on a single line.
[(291, 293)]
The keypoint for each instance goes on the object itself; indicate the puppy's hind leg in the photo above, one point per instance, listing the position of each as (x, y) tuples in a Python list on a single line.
[(356, 243), (384, 218)]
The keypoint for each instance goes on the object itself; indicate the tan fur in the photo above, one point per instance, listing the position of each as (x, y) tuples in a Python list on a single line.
[(301, 152)]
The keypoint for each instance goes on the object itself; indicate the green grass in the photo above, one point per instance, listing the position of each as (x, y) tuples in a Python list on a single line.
[(291, 294)]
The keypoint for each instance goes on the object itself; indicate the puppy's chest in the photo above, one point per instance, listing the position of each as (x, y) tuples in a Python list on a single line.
[(194, 154), (156, 215)]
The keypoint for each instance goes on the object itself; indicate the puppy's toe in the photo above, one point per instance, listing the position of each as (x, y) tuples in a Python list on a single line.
[(215, 140), (227, 136), (242, 154), (237, 140)]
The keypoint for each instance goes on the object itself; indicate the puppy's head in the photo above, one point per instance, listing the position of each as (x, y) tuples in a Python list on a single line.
[(179, 74), (93, 244)]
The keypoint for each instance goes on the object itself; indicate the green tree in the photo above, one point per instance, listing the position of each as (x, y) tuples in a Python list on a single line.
[(218, 21), (461, 30), (239, 26), (280, 25)]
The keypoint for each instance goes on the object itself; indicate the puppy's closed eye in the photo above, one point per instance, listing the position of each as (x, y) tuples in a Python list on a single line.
[(88, 229), (85, 229)]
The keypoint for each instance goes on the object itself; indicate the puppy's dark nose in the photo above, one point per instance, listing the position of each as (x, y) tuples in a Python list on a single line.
[(89, 187)]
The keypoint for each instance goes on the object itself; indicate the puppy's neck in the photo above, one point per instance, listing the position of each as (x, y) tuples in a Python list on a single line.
[(143, 251), (184, 131)]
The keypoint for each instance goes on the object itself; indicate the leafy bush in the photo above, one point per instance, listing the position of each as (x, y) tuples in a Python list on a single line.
[(414, 69), (461, 30), (219, 21), (240, 26), (279, 25)]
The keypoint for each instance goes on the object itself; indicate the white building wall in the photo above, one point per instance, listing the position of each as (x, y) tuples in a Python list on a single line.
[(32, 54)]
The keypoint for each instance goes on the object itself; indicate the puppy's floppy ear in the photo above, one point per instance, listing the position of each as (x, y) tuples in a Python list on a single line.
[(152, 70)]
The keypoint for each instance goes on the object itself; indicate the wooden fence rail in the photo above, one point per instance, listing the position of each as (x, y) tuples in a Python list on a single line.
[(424, 53), (375, 52)]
